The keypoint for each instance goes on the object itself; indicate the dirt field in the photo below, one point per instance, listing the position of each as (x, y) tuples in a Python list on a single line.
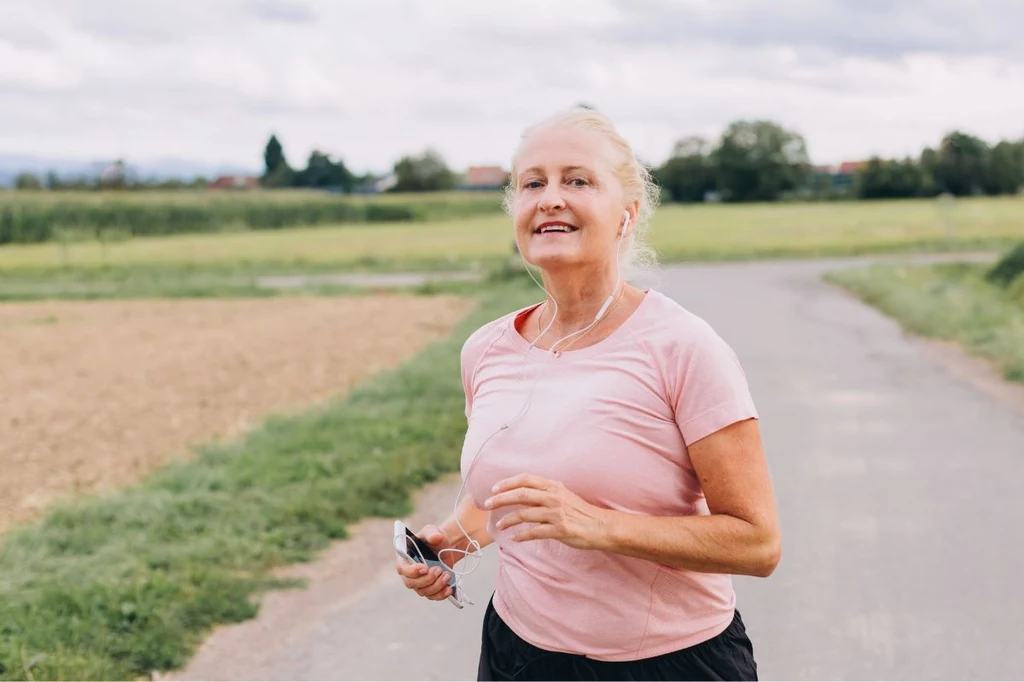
[(96, 394)]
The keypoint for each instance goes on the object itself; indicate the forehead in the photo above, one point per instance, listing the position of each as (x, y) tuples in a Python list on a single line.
[(561, 147)]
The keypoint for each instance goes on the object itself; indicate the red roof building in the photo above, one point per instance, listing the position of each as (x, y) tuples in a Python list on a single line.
[(235, 182), (486, 176), (850, 167)]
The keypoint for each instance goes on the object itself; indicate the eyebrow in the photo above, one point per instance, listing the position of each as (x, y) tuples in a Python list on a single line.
[(565, 169)]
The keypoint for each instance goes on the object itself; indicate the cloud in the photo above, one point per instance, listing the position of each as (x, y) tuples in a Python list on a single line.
[(370, 81), (282, 11), (874, 29)]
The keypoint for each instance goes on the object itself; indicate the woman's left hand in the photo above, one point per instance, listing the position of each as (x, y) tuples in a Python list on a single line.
[(559, 513)]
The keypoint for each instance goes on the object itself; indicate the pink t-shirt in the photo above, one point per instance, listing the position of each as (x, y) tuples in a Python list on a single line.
[(611, 421)]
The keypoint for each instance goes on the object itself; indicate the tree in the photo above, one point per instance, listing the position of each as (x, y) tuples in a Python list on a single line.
[(961, 164), (277, 173), (1005, 172), (27, 181), (320, 171), (890, 179), (759, 160), (689, 174), (929, 163), (424, 173)]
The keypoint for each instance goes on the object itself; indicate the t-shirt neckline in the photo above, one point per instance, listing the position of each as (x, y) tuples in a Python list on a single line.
[(589, 351)]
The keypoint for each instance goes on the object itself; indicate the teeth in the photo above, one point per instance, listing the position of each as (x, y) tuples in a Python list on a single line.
[(555, 228)]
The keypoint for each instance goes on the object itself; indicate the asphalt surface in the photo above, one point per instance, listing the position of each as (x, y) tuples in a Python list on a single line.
[(899, 488)]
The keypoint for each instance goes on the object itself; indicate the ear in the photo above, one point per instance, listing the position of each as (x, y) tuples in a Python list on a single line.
[(629, 219)]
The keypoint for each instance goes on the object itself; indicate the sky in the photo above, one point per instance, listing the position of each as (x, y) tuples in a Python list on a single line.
[(370, 81)]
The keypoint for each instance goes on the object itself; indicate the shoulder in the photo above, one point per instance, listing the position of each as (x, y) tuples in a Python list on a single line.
[(705, 382), (476, 345), (670, 330)]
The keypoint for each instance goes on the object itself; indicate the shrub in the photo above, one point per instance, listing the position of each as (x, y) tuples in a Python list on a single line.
[(1009, 267)]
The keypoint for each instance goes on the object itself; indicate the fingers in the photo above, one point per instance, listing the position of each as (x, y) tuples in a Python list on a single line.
[(524, 481), (543, 531), (433, 585), (410, 571), (525, 496), (430, 583), (528, 515), (438, 590), (432, 535)]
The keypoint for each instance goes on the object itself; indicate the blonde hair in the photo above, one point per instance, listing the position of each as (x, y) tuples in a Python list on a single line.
[(638, 258)]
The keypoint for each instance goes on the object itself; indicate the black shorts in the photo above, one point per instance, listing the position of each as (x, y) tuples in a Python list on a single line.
[(506, 656)]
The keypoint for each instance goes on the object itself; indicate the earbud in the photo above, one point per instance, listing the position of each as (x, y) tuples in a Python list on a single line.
[(625, 223)]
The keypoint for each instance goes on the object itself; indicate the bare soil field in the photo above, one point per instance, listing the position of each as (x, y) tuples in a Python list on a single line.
[(94, 395)]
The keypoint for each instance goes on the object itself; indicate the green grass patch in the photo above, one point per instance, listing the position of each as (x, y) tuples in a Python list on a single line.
[(951, 301), (33, 217), (680, 233), (116, 586), (242, 280)]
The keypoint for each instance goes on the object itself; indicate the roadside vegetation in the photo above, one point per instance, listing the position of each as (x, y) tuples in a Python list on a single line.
[(979, 307), (117, 586)]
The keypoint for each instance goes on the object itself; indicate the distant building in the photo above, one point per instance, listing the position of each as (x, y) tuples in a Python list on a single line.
[(850, 167), (485, 177), (376, 184), (837, 179), (235, 182)]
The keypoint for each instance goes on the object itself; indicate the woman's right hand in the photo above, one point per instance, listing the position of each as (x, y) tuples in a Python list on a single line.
[(432, 583)]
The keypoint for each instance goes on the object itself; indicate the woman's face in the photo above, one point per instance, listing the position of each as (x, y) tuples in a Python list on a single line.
[(569, 205)]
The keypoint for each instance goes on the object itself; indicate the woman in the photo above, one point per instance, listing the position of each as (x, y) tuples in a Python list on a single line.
[(613, 451)]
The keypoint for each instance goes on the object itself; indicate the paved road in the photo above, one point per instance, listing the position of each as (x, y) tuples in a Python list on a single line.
[(900, 490)]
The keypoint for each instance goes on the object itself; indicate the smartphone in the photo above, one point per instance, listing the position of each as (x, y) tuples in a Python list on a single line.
[(415, 551)]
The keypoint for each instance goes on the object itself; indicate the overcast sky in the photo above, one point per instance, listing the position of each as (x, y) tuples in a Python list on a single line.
[(209, 80)]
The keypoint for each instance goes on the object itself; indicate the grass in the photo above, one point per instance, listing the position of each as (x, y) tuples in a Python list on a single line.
[(170, 281), (148, 282), (951, 301), (186, 197), (115, 587), (41, 217), (680, 233)]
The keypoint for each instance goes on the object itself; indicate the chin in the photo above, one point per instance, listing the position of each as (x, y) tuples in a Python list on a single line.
[(553, 261)]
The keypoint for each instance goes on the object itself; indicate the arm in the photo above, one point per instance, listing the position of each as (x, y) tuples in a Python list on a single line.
[(473, 520), (741, 536)]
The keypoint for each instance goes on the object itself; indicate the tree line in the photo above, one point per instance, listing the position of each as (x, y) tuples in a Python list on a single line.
[(754, 160), (763, 161), (426, 172)]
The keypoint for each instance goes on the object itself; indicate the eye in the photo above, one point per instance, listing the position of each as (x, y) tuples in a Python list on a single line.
[(531, 184), (578, 182)]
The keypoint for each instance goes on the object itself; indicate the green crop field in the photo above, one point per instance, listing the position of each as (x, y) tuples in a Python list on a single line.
[(36, 217), (680, 233)]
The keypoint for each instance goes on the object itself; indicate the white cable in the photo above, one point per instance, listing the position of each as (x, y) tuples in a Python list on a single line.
[(474, 549)]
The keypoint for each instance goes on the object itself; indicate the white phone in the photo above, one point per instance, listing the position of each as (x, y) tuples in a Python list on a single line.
[(415, 551)]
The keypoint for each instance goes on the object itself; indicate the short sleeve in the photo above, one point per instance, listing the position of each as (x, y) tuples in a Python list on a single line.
[(467, 377), (710, 388), (473, 351)]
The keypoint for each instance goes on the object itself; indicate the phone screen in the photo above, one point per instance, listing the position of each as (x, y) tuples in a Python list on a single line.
[(417, 549)]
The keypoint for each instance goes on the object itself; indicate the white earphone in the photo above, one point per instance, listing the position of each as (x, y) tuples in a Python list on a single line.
[(473, 548)]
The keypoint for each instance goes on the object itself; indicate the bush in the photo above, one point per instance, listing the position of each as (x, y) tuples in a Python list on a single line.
[(1009, 268)]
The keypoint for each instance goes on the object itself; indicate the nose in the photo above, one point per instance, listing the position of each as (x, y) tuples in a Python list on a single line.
[(551, 199)]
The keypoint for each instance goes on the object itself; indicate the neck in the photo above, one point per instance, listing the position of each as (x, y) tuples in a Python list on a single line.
[(576, 301)]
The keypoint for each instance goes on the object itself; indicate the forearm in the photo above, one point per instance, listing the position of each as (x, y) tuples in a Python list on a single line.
[(710, 544), (473, 521)]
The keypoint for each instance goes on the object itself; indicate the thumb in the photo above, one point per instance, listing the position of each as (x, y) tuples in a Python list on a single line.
[(432, 535)]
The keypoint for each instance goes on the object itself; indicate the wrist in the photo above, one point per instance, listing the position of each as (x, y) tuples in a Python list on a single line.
[(607, 530), (454, 537)]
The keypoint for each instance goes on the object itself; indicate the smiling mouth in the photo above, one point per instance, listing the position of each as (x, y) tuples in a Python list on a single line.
[(555, 228)]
